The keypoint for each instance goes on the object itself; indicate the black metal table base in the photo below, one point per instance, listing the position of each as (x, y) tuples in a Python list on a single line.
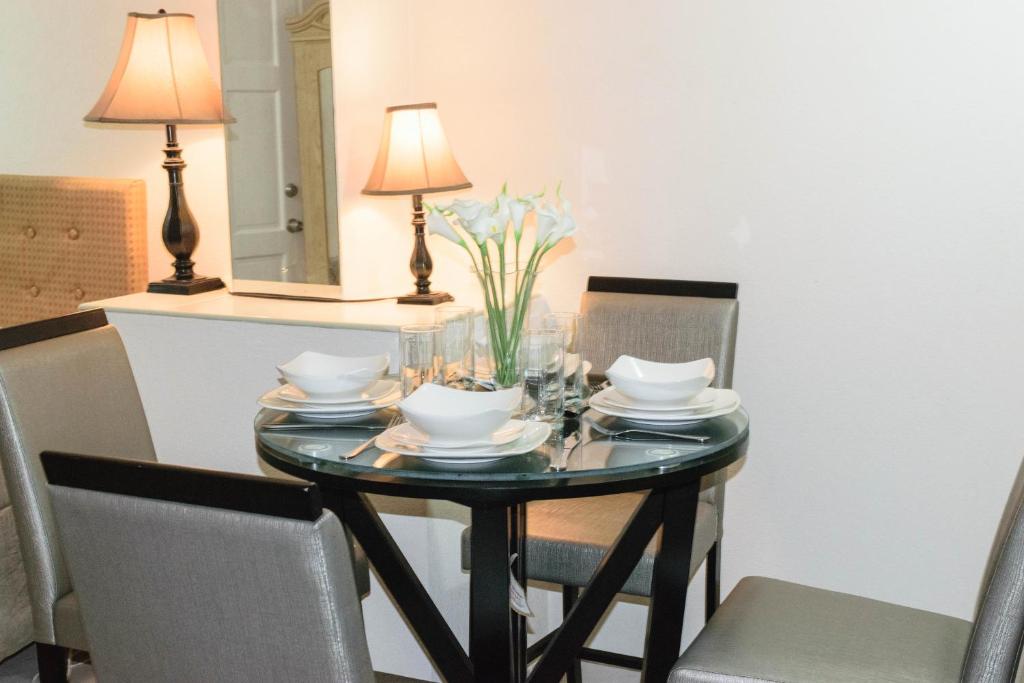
[(497, 641)]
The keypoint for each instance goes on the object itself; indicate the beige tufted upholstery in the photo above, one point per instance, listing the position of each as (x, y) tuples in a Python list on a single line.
[(68, 240)]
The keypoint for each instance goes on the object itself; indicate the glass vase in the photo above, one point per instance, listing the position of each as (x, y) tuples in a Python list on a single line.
[(499, 332)]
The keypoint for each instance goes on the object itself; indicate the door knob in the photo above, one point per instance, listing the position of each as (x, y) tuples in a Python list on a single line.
[(294, 225), (291, 189)]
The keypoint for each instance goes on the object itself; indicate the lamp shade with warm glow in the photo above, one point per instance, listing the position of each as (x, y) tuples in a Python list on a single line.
[(414, 157), (161, 76)]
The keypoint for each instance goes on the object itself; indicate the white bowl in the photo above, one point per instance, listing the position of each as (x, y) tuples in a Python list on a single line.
[(323, 376), (454, 415), (645, 380)]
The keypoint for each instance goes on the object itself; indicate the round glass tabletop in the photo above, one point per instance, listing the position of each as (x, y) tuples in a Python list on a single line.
[(578, 453)]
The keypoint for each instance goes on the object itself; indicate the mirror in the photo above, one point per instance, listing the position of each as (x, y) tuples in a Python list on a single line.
[(282, 182)]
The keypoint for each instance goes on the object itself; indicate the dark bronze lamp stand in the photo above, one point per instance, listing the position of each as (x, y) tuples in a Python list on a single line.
[(180, 232), (419, 162), (421, 264), (178, 88)]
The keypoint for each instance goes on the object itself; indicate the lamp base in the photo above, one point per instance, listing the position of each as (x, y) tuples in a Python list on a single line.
[(196, 285), (428, 299)]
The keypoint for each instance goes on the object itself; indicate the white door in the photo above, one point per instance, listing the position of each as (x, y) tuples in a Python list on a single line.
[(262, 145)]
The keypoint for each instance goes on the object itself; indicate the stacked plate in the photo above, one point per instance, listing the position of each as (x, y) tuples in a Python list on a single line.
[(705, 405), (515, 437), (452, 426), (663, 394), (334, 389), (290, 399)]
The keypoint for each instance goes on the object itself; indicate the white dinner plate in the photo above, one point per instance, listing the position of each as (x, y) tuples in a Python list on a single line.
[(379, 389), (507, 433), (533, 435), (274, 402), (726, 401), (703, 401)]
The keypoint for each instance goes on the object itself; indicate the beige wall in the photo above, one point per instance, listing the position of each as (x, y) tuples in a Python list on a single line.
[(55, 58), (858, 167)]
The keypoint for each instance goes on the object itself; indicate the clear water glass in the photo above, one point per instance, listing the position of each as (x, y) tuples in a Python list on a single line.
[(457, 352), (421, 347), (571, 326), (542, 368)]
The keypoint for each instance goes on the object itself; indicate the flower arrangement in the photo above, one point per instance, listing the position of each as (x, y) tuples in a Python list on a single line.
[(506, 280)]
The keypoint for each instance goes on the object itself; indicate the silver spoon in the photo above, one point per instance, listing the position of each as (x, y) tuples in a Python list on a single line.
[(700, 438)]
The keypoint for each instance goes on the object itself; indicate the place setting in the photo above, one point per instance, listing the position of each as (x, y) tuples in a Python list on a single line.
[(452, 426), (659, 395), (321, 389)]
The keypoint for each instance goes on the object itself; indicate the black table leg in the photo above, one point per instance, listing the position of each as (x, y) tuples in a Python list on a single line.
[(490, 633), (668, 586), (517, 547), (607, 581), (401, 582)]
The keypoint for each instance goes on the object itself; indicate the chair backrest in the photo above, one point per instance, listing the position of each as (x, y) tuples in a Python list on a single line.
[(670, 321), (65, 384), (192, 575), (994, 652)]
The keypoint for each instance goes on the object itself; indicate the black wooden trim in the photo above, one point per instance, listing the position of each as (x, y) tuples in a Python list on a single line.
[(41, 330), (229, 491), (635, 285), (612, 658)]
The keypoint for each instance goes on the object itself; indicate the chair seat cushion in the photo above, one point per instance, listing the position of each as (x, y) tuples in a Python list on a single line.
[(770, 630), (67, 623), (566, 539)]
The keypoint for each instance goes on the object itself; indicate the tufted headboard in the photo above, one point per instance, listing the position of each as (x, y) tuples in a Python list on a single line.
[(68, 240)]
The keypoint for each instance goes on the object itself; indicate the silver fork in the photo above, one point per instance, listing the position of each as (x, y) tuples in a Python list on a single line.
[(700, 438), (393, 422)]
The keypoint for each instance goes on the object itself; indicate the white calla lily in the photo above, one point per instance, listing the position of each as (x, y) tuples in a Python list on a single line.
[(506, 298), (439, 225), (483, 227), (468, 210)]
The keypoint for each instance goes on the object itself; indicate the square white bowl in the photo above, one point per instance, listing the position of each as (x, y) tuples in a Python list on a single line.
[(645, 380), (321, 376), (453, 415)]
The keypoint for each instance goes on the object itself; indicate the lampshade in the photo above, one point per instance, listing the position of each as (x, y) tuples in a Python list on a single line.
[(414, 157), (161, 76)]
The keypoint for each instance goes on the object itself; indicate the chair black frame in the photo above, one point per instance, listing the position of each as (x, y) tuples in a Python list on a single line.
[(713, 570), (177, 484)]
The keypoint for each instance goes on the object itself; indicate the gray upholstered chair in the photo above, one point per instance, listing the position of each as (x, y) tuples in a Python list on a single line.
[(65, 384), (660, 320), (192, 575), (779, 632), (15, 612)]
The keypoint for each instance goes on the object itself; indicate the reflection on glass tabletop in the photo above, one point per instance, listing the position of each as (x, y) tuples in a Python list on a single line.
[(573, 450)]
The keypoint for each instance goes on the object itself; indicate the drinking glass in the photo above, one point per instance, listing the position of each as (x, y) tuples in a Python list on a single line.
[(542, 367), (457, 353), (571, 325), (420, 347)]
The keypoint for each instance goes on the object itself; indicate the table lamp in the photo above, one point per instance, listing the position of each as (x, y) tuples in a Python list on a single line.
[(162, 76), (414, 158)]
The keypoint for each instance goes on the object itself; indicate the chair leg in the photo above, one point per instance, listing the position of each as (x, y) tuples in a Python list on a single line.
[(570, 594), (53, 663), (713, 590)]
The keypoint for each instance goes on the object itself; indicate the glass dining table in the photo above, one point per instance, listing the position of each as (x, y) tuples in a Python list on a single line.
[(586, 455)]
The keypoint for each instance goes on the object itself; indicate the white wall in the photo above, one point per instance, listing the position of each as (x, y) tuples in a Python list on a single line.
[(55, 58), (857, 167)]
